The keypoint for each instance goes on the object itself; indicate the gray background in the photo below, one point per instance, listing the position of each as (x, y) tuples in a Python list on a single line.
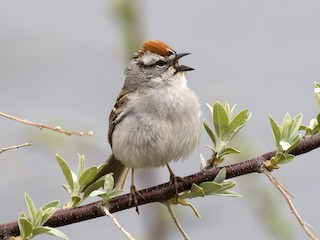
[(62, 62)]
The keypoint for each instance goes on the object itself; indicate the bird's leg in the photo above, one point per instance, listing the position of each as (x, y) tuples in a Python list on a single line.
[(174, 180), (134, 192)]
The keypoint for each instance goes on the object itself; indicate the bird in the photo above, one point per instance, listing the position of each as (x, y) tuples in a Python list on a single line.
[(156, 117)]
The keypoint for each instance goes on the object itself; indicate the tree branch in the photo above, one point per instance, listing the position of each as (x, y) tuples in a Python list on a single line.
[(41, 126), (15, 147), (160, 193)]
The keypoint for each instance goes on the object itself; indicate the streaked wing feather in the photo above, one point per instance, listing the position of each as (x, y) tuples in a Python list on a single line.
[(115, 115)]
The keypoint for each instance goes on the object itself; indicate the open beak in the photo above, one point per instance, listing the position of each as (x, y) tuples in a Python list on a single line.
[(181, 68)]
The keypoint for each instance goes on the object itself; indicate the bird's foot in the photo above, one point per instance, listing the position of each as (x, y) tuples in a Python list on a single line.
[(174, 181), (133, 197)]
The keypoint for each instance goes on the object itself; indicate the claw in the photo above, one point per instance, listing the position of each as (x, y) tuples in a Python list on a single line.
[(174, 181), (134, 193), (133, 197)]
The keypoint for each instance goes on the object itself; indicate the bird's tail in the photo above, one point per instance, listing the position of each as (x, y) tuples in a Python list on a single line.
[(119, 171)]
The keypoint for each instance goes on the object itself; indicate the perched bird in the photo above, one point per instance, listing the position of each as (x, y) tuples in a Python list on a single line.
[(156, 117)]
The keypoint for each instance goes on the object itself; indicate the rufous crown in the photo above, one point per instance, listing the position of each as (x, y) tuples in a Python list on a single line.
[(156, 47)]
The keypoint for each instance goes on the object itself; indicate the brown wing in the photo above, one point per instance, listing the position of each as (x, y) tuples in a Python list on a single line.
[(115, 115)]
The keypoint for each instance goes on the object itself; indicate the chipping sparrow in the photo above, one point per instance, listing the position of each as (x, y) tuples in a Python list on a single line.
[(156, 118)]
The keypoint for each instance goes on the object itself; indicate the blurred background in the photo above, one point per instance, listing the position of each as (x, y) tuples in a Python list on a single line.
[(62, 63)]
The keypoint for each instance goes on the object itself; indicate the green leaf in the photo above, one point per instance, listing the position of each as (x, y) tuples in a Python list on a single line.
[(115, 193), (211, 148), (237, 123), (53, 231), (228, 193), (287, 158), (290, 127), (209, 131), (318, 119), (94, 186), (203, 163), (295, 141), (232, 110), (52, 204), (317, 92), (46, 214), (313, 123), (309, 132), (220, 120), (25, 227), (221, 176), (296, 123), (315, 130), (31, 208), (40, 230), (303, 127), (87, 176), (279, 157), (285, 127), (66, 171), (108, 183), (284, 145), (81, 165), (228, 151), (194, 210), (74, 179), (210, 108), (195, 191), (75, 200), (96, 193), (275, 130), (212, 188), (67, 188)]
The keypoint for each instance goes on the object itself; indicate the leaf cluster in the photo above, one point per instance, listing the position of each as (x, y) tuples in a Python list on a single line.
[(286, 138), (77, 183), (108, 191), (313, 127), (33, 226), (218, 187), (226, 127)]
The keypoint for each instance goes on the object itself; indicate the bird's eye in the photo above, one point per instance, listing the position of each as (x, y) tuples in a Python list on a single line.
[(160, 63)]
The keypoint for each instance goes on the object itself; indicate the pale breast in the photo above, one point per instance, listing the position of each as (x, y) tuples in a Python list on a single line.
[(159, 127)]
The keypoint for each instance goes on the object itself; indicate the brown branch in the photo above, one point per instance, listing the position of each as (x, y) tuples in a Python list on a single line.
[(41, 126), (15, 147), (160, 193)]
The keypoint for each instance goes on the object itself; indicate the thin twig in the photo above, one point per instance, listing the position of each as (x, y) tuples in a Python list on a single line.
[(306, 227), (175, 219), (14, 147), (41, 126), (128, 235)]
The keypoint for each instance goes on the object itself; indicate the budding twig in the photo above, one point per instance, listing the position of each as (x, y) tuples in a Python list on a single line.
[(128, 235), (306, 227), (14, 147), (175, 219), (41, 126)]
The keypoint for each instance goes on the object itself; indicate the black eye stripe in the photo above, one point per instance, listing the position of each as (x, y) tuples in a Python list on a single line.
[(171, 52), (160, 63)]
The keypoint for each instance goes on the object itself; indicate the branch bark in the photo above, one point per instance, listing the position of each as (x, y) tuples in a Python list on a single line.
[(160, 193), (41, 126)]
